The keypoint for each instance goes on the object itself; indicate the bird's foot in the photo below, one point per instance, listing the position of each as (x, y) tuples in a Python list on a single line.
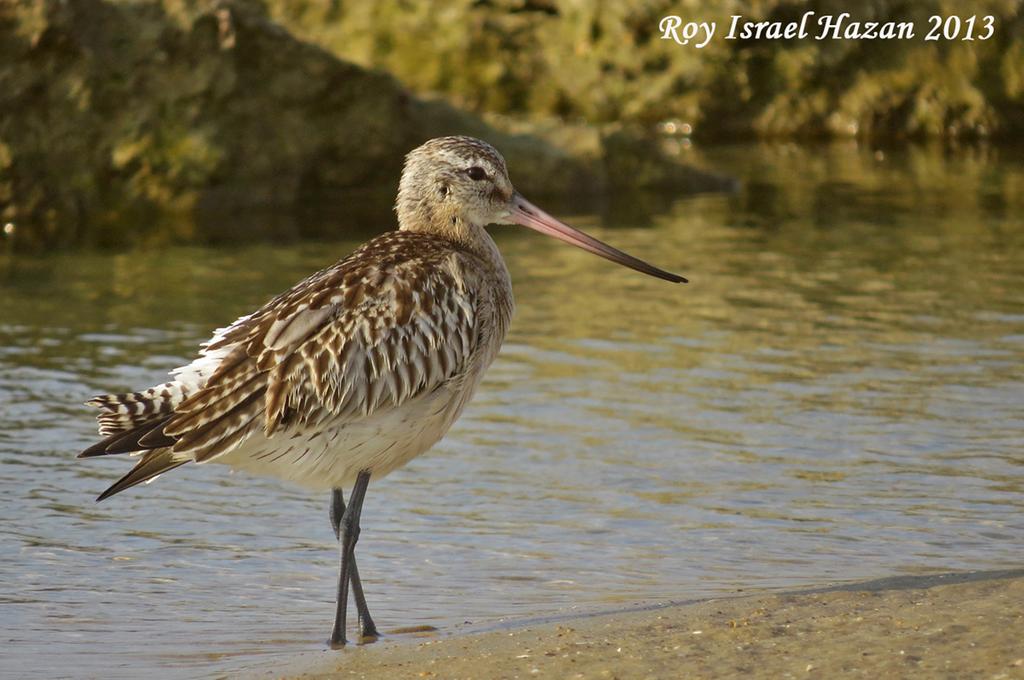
[(368, 633)]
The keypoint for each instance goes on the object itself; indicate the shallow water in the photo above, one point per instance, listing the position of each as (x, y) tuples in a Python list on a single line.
[(836, 396)]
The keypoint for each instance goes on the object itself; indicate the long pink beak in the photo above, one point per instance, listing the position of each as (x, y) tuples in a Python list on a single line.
[(527, 214)]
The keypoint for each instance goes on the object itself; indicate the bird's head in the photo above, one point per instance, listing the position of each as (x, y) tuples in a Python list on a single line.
[(455, 185)]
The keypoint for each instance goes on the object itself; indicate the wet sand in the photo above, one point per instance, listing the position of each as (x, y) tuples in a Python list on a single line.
[(949, 626)]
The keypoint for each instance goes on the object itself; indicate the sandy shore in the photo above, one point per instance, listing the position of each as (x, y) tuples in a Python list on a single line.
[(950, 626)]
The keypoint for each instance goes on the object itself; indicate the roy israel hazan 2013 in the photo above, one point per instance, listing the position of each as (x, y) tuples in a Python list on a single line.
[(820, 27)]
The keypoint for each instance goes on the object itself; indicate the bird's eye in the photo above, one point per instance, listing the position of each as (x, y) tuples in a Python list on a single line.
[(476, 173)]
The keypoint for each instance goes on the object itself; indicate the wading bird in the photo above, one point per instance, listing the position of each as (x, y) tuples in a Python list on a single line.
[(361, 367)]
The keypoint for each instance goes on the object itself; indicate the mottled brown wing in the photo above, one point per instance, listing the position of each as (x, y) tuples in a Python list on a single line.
[(370, 333)]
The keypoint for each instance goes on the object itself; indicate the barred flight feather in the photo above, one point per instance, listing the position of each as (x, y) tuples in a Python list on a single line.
[(122, 412)]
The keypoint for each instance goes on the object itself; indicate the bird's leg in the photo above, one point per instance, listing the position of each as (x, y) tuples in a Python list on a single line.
[(348, 534), (367, 629)]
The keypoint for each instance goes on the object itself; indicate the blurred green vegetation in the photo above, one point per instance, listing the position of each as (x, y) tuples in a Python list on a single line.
[(603, 61), (129, 121)]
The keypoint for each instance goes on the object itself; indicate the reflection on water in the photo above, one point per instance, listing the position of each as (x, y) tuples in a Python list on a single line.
[(836, 396)]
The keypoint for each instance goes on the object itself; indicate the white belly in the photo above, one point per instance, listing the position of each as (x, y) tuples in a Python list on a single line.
[(333, 456)]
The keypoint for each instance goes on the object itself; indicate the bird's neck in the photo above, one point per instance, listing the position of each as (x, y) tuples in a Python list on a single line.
[(454, 228), (484, 247)]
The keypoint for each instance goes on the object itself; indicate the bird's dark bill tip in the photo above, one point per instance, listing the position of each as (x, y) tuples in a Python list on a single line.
[(528, 215)]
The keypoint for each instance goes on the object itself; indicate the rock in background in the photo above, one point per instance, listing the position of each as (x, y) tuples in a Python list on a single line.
[(131, 122)]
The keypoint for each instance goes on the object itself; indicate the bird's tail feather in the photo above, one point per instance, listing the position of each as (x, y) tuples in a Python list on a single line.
[(146, 436), (153, 464), (133, 423), (125, 412)]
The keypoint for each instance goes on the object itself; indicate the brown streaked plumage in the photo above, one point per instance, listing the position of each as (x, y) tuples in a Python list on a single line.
[(363, 365)]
